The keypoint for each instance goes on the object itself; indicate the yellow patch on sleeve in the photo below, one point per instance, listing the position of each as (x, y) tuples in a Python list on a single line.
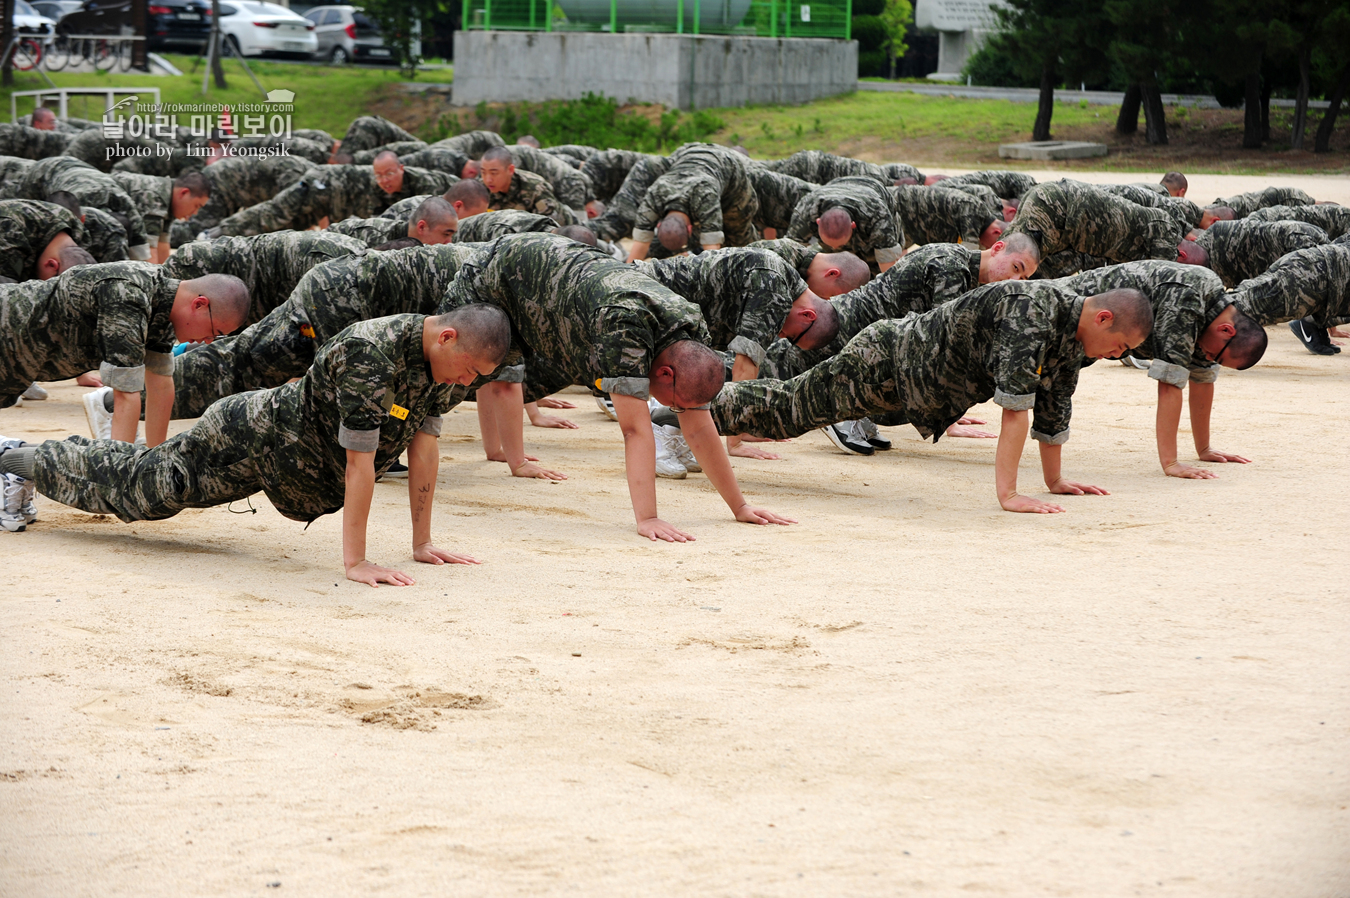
[(399, 412), (597, 384), (307, 331)]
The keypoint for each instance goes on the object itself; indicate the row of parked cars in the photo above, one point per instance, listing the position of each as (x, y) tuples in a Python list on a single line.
[(338, 34)]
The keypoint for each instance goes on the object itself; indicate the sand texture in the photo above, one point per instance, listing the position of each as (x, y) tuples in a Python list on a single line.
[(910, 692)]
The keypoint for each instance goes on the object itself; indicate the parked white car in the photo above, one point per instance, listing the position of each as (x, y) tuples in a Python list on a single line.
[(254, 28)]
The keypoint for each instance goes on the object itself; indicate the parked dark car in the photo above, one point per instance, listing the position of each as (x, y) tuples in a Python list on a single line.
[(182, 24)]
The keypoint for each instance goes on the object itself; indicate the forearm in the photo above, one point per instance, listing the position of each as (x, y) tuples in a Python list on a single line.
[(742, 368), (710, 246), (1012, 436), (1051, 463), (1169, 418), (1202, 404), (639, 454), (700, 431), (423, 462), (158, 407), (126, 415), (508, 406), (360, 487), (638, 251)]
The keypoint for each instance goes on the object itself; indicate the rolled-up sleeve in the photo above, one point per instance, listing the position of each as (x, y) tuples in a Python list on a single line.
[(159, 363), (748, 348), (889, 254), (431, 425), (1168, 373), (358, 440), (124, 379)]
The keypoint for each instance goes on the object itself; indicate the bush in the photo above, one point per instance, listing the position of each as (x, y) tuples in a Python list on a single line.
[(993, 66), (869, 32), (867, 8), (873, 64), (593, 120)]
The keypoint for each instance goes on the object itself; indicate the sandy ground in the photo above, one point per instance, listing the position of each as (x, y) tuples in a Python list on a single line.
[(909, 692)]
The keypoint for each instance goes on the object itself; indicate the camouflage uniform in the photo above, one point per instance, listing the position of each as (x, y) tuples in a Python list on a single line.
[(31, 143), (328, 298), (370, 131), (398, 148), (818, 167), (92, 188), (441, 159), (153, 197), (711, 185), (1013, 342), (1245, 204), (598, 321), (472, 144), (570, 186), (1006, 184), (939, 215), (176, 162), (607, 170), (1160, 189), (530, 193), (488, 226), (403, 209), (745, 294), (921, 281), (1066, 214), (1333, 219), (798, 255), (1185, 298), (622, 209), (104, 236), (895, 171), (1067, 262), (1243, 249), (238, 183), (334, 191), (1186, 213), (290, 442), (270, 265), (12, 171), (574, 154), (372, 232), (26, 227), (111, 317), (981, 192), (878, 237), (93, 148), (1309, 283), (778, 196), (317, 135)]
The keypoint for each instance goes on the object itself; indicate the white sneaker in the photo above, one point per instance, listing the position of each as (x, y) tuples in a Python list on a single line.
[(34, 393), (667, 458), (99, 418), (11, 512), (685, 454), (607, 407), (1130, 361), (29, 508), (18, 403)]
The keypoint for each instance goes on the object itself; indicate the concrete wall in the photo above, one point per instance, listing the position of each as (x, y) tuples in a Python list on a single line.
[(679, 70)]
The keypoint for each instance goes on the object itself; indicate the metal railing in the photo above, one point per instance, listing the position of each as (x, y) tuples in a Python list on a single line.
[(755, 18), (62, 96)]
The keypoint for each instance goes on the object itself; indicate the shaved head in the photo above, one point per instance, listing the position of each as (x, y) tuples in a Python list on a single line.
[(1192, 253), (71, 256), (44, 119), (1175, 182), (835, 226), (699, 372), (1248, 344), (228, 296), (1130, 310), (1221, 213), (1022, 245), (484, 331), (579, 233), (436, 211), (852, 271), (672, 232)]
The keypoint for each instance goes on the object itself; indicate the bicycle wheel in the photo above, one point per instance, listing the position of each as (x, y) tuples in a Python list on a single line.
[(105, 55), (27, 55), (58, 54)]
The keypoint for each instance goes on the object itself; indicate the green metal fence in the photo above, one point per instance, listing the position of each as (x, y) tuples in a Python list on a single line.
[(754, 18)]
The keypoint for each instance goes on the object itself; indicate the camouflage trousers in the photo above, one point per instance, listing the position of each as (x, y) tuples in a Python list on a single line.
[(268, 354), (208, 465), (857, 383), (621, 212)]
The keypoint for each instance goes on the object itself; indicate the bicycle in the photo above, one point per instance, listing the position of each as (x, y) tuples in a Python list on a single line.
[(25, 53)]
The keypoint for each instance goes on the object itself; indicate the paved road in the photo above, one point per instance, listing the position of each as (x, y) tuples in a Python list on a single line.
[(1032, 95)]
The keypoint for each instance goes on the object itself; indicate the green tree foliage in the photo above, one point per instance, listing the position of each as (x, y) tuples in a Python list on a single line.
[(895, 19), (399, 23)]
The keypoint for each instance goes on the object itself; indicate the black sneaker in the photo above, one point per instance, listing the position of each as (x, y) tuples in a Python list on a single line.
[(848, 436), (872, 435), (1313, 338), (397, 471)]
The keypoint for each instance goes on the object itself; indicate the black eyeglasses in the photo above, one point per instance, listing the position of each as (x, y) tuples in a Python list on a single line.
[(797, 339), (1218, 355)]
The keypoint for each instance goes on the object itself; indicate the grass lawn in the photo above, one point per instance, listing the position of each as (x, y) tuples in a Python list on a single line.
[(326, 97)]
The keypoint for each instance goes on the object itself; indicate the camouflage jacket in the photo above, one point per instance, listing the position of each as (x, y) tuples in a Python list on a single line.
[(372, 232), (369, 390), (1186, 213), (111, 317), (530, 193), (1006, 184), (607, 170), (472, 144), (878, 236), (92, 188), (399, 148), (104, 236), (335, 192), (818, 167), (1185, 298), (922, 280), (573, 153), (618, 219), (1333, 219), (778, 194), (153, 196), (31, 143), (270, 265), (488, 226), (370, 131), (1066, 214), (745, 294), (26, 227), (265, 145), (940, 215), (571, 187), (237, 183), (1243, 249), (12, 171), (599, 321), (1310, 282), (711, 185), (796, 254), (442, 159), (1245, 204)]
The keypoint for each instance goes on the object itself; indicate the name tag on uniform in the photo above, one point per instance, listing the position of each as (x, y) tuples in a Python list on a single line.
[(597, 384), (307, 331), (399, 412)]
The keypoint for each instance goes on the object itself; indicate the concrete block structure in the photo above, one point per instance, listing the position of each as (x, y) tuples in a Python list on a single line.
[(962, 26), (681, 71)]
